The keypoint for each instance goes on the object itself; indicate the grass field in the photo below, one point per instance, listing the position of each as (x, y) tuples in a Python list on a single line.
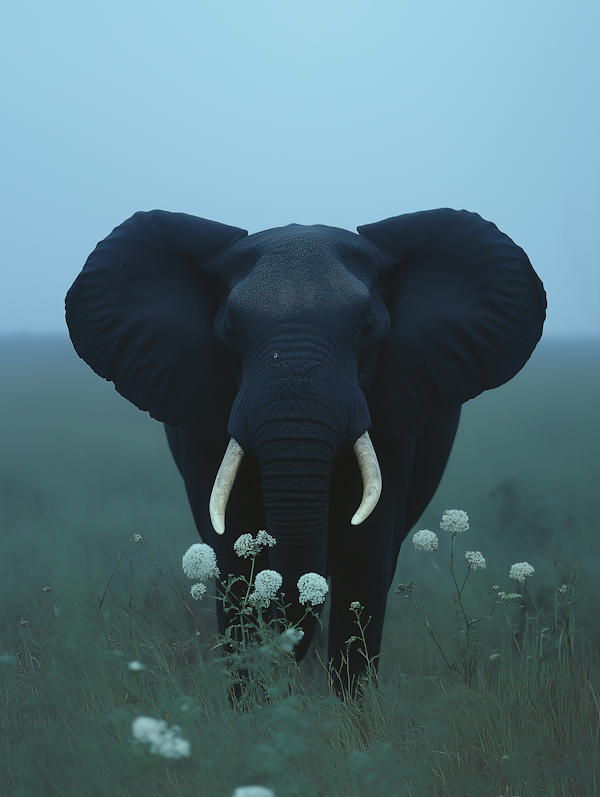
[(81, 471)]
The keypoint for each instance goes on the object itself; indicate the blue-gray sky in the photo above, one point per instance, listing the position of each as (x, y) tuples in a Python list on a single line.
[(259, 113)]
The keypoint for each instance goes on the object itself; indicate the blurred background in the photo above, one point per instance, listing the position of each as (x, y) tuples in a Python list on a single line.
[(259, 114)]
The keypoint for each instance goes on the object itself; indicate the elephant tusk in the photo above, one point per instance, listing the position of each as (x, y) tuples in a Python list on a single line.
[(223, 484), (371, 476)]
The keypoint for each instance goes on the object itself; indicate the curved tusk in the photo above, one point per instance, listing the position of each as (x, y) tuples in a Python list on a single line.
[(223, 484), (371, 476)]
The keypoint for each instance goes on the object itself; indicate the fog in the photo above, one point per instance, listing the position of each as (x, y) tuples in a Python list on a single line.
[(265, 113)]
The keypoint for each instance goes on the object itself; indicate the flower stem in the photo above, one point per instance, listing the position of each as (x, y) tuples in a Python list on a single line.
[(112, 575), (168, 583), (425, 621)]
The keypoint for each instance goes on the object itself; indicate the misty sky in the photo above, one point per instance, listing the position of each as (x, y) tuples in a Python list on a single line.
[(258, 113)]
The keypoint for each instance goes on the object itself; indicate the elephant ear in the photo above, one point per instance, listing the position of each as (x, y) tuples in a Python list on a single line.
[(141, 315), (466, 308)]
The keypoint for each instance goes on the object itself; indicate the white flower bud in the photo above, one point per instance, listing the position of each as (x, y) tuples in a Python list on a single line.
[(474, 560), (520, 571), (425, 540), (313, 588), (162, 740), (455, 521), (200, 561)]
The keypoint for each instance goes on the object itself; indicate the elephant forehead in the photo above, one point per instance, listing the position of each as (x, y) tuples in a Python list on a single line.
[(299, 272)]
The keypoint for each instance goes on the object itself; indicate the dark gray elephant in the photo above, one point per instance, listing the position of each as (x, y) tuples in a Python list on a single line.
[(294, 342)]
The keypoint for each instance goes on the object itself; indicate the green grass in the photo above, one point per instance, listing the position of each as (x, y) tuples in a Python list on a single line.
[(81, 471)]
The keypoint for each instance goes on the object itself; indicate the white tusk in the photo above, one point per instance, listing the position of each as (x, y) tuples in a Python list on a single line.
[(223, 484), (371, 477)]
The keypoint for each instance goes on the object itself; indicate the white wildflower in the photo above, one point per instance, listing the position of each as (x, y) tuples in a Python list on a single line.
[(162, 740), (505, 597), (313, 588), (263, 539), (136, 666), (289, 639), (563, 589), (246, 545), (200, 561), (425, 540), (520, 571), (197, 591), (455, 521), (474, 560), (266, 583), (253, 791), (258, 601), (355, 606), (137, 538)]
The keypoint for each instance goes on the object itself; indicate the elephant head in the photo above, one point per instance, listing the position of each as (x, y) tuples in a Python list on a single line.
[(287, 346)]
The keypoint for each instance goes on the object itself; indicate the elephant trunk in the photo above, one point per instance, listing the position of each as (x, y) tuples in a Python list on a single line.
[(296, 500), (367, 462), (295, 485)]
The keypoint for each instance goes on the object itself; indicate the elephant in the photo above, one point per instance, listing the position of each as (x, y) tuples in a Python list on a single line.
[(335, 362)]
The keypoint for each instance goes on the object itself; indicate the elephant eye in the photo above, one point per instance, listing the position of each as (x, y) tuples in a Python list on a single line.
[(229, 334), (375, 325), (367, 333)]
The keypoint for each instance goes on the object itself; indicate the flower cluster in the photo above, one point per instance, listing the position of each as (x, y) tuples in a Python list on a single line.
[(162, 740), (455, 521), (198, 591), (474, 560), (253, 791), (425, 540), (505, 597), (200, 561), (520, 571), (288, 640), (313, 588), (266, 584), (246, 546)]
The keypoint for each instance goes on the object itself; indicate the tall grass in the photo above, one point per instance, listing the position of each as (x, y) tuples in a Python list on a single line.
[(81, 472)]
